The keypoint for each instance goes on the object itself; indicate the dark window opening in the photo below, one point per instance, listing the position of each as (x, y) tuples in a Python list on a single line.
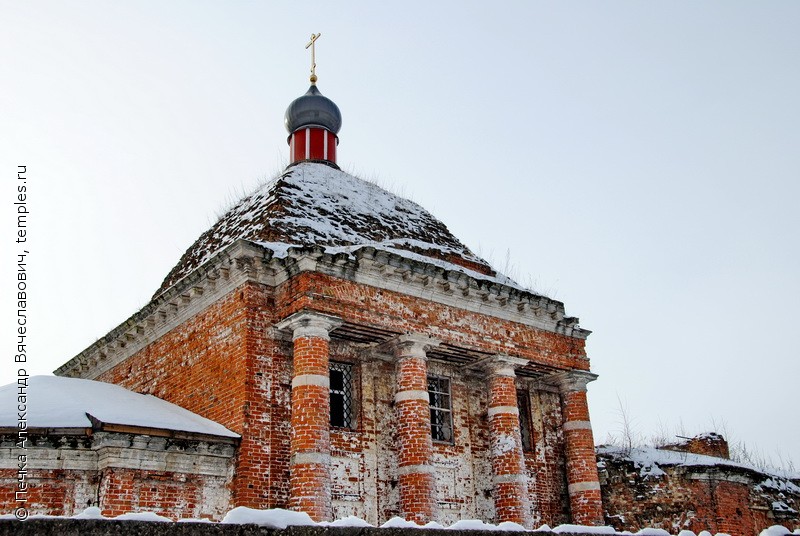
[(441, 409), (341, 390), (525, 420)]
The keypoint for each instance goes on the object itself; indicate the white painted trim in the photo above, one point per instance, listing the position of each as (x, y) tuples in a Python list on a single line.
[(309, 324), (220, 275), (577, 425), (308, 143), (325, 144), (311, 379), (311, 458), (503, 410), (578, 487), (516, 478), (411, 394), (416, 469)]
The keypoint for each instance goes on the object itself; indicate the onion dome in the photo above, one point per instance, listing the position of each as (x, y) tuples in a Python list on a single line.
[(313, 110), (313, 121)]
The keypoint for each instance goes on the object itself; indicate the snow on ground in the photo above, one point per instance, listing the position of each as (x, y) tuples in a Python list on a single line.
[(56, 402), (584, 530), (777, 530), (143, 516), (349, 521), (278, 518), (92, 512)]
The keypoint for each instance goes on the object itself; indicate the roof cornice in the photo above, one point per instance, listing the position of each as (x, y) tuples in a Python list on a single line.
[(245, 261)]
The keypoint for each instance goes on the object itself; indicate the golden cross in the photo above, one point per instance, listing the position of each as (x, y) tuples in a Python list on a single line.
[(313, 57)]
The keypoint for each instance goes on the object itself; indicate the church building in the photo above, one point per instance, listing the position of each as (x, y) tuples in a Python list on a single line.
[(328, 347)]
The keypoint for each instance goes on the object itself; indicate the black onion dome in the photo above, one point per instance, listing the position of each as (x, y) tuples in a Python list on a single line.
[(313, 109)]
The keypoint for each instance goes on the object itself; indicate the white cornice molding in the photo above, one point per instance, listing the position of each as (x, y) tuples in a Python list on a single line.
[(245, 261)]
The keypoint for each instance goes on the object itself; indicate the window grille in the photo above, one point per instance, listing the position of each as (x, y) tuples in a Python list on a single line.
[(524, 420), (441, 409), (341, 377)]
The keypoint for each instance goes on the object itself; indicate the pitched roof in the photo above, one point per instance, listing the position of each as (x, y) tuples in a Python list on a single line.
[(314, 204), (56, 402)]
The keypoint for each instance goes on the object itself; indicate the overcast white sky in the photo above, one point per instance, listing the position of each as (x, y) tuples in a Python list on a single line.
[(638, 160)]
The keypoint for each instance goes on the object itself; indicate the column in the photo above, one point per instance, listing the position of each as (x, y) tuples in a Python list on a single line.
[(415, 447), (310, 447), (511, 501), (582, 480)]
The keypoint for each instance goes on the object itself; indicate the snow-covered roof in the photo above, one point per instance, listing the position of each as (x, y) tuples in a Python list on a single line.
[(314, 204), (56, 402)]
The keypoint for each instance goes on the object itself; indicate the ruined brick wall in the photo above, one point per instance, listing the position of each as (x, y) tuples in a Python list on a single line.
[(708, 444), (732, 500)]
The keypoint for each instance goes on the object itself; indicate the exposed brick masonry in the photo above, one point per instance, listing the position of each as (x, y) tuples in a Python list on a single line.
[(583, 483), (415, 449), (310, 475), (228, 362), (508, 462), (718, 498)]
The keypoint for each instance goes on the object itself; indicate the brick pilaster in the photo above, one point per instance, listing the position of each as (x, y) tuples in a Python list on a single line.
[(511, 501), (310, 450), (582, 480), (415, 447)]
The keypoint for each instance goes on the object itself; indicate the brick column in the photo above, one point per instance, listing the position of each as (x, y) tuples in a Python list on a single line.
[(582, 480), (511, 501), (310, 449), (415, 447)]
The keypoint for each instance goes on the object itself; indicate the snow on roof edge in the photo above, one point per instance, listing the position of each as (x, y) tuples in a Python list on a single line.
[(55, 402), (647, 456)]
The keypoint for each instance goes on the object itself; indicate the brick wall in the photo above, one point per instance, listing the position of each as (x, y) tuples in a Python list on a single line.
[(120, 473), (52, 491), (725, 499), (227, 362), (709, 444), (403, 313), (546, 464), (220, 365)]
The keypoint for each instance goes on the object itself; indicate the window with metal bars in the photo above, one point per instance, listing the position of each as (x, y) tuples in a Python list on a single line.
[(524, 406), (341, 377), (441, 409)]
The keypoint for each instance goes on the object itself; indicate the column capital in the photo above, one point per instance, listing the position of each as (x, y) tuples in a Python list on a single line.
[(309, 324), (503, 365), (570, 381), (413, 345)]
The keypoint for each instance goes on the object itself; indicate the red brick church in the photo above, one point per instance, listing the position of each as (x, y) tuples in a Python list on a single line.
[(330, 347)]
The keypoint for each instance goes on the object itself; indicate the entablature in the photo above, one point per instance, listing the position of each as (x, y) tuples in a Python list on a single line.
[(410, 274)]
